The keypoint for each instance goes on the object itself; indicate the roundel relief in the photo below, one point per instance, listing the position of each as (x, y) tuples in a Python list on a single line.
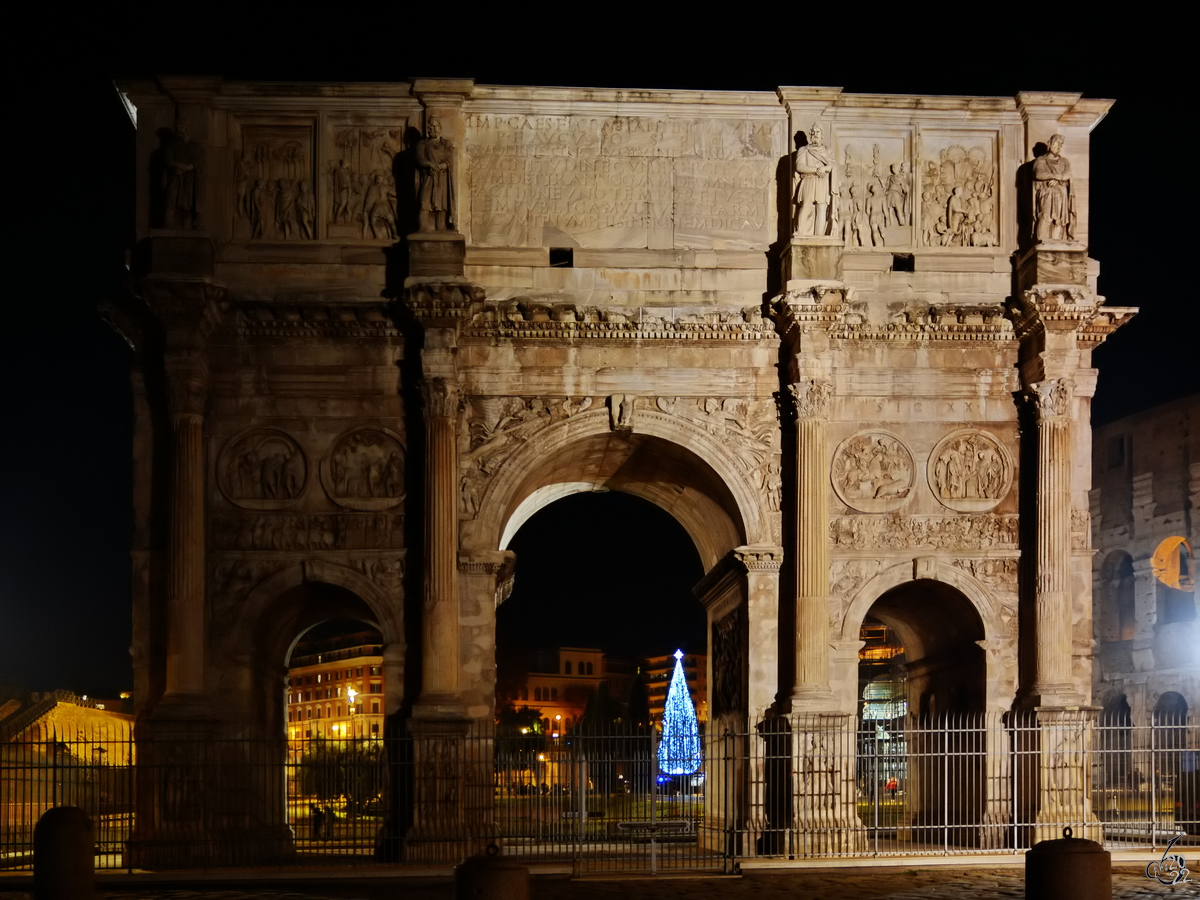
[(365, 469), (873, 472), (262, 469), (970, 471)]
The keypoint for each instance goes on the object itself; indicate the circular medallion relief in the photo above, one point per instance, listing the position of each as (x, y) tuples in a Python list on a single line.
[(262, 469), (970, 471), (364, 469), (873, 472)]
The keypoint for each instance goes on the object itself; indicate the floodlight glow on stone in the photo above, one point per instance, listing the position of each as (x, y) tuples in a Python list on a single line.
[(679, 750)]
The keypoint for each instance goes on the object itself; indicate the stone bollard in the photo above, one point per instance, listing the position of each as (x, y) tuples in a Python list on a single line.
[(1068, 869), (488, 877), (64, 855)]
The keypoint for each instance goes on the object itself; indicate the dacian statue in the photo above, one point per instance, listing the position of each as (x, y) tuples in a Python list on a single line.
[(814, 203), (435, 158), (1053, 202)]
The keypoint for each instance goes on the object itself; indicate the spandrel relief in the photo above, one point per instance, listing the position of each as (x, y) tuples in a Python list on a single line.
[(958, 193), (262, 469), (877, 192), (970, 471), (365, 470), (873, 472), (362, 182), (274, 193)]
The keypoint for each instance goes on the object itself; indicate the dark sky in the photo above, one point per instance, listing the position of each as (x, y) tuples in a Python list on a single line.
[(65, 514)]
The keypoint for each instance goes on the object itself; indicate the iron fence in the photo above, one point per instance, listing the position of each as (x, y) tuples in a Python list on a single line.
[(798, 787)]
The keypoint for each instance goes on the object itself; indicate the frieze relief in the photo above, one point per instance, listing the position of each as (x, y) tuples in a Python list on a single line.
[(873, 471), (274, 195), (262, 469), (530, 318), (364, 470), (496, 427), (288, 532), (970, 471), (362, 182), (895, 532), (958, 196)]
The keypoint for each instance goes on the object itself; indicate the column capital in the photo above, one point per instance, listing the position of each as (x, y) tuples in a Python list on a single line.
[(187, 384), (1051, 398), (764, 559), (441, 397), (811, 397)]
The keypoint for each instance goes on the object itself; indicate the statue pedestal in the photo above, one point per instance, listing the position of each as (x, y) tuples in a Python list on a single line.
[(812, 259), (436, 254), (1053, 263)]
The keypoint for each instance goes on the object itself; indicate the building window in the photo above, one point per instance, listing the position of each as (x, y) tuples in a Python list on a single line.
[(358, 672), (318, 712), (537, 694), (553, 693), (589, 668), (374, 728), (376, 670), (375, 706), (567, 667), (339, 710), (376, 687)]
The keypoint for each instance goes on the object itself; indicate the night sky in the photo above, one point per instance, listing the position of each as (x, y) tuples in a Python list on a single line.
[(65, 514)]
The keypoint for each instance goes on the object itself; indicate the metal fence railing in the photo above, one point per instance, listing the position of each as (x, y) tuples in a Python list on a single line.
[(791, 787)]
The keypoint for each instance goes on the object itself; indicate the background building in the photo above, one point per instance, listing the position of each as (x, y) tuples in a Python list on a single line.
[(1145, 512), (336, 687)]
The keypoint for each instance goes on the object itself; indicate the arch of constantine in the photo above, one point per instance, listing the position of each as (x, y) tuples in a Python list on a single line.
[(843, 339)]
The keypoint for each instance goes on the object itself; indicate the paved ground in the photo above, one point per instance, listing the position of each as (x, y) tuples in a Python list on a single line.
[(912, 884)]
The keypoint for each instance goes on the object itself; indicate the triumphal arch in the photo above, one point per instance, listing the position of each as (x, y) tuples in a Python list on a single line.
[(844, 339)]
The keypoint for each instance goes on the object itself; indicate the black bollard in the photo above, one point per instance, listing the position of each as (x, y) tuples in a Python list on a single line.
[(488, 877), (64, 855), (1068, 869)]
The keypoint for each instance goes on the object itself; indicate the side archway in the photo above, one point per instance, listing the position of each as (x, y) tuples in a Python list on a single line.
[(277, 612)]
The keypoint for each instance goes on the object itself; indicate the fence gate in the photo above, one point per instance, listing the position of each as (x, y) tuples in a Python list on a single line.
[(602, 803)]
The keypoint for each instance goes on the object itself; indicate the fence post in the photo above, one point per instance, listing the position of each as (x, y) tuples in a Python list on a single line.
[(64, 855)]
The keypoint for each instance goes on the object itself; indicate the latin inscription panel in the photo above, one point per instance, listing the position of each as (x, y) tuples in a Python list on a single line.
[(621, 181)]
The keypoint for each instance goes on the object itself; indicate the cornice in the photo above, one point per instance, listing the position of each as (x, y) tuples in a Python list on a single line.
[(317, 320), (536, 321)]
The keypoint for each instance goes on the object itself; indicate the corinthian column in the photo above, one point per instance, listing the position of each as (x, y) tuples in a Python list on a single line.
[(1053, 548), (439, 664), (812, 544), (187, 385)]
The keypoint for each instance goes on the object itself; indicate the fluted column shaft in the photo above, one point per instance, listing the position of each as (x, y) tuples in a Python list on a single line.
[(1053, 548), (812, 539), (187, 384), (439, 666)]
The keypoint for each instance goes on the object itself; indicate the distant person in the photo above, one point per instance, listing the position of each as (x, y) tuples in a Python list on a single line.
[(315, 818)]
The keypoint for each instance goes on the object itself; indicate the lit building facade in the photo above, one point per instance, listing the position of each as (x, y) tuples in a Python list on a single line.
[(335, 689)]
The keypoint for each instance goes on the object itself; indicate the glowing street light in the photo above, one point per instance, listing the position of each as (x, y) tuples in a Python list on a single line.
[(351, 693)]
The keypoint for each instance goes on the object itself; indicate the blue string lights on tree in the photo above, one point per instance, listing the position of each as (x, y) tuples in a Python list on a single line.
[(679, 749)]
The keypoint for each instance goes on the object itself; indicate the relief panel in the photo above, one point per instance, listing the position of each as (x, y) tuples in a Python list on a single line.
[(959, 190), (274, 184), (361, 179), (877, 199)]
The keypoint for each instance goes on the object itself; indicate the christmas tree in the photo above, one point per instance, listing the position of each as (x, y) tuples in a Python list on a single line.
[(679, 749)]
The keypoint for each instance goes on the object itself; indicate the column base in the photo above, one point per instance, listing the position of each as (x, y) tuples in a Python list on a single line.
[(818, 700)]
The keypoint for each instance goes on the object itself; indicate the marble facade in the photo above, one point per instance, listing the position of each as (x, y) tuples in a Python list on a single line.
[(843, 338)]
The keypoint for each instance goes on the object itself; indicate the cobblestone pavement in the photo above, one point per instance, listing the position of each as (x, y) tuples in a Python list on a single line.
[(913, 884)]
